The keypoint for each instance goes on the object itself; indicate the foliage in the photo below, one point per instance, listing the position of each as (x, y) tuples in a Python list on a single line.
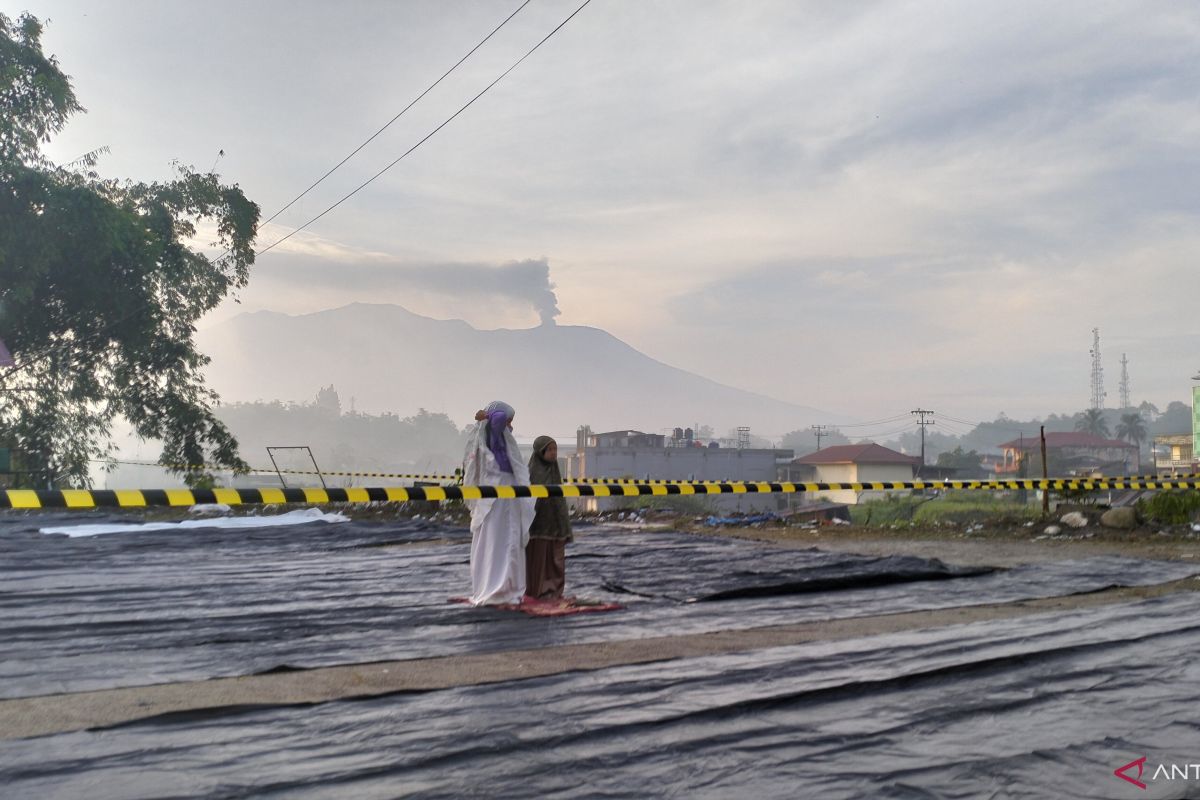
[(893, 508), (804, 441), (1132, 428), (968, 464), (1092, 421), (1170, 508), (99, 294), (424, 442), (963, 507), (327, 398), (1176, 419), (950, 507)]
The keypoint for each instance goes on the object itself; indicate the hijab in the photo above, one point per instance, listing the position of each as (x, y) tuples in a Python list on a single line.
[(498, 416), (542, 471), (553, 520)]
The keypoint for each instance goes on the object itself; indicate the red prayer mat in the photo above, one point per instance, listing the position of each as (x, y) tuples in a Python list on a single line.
[(550, 608)]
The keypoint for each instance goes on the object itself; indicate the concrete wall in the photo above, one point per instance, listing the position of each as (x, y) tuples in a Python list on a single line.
[(883, 472)]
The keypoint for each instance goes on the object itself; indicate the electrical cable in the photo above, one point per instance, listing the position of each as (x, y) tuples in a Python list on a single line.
[(430, 88), (429, 135), (872, 422)]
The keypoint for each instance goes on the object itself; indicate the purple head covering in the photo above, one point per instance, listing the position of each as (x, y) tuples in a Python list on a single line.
[(498, 416)]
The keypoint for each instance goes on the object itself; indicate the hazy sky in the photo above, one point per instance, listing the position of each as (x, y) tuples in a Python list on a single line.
[(863, 207)]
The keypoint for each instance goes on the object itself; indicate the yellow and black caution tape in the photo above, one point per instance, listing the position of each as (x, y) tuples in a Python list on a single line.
[(273, 471), (140, 498), (408, 475), (1157, 477), (646, 481), (451, 477)]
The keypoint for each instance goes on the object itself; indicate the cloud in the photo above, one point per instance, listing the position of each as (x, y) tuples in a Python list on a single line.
[(479, 292), (939, 199)]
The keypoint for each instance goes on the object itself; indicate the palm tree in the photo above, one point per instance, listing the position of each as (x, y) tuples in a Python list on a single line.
[(1092, 421), (1132, 428)]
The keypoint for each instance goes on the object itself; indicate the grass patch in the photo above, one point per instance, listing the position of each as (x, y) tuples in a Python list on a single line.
[(1170, 508), (952, 507)]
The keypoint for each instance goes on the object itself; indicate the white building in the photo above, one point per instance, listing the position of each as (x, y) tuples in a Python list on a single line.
[(851, 463)]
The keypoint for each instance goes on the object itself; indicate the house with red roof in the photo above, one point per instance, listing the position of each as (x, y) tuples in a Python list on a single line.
[(1069, 453), (851, 463)]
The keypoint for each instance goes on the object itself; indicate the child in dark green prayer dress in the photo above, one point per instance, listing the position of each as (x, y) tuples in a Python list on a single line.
[(545, 555)]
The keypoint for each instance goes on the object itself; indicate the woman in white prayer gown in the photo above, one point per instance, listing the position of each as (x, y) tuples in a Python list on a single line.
[(499, 527)]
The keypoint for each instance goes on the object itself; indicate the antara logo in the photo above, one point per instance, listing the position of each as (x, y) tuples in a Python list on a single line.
[(1168, 772), (1139, 763)]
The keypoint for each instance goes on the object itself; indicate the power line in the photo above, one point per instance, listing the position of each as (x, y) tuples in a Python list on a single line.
[(957, 428), (978, 424), (884, 434), (430, 88), (872, 422), (429, 135)]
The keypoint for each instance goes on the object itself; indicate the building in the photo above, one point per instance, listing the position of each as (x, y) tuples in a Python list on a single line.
[(851, 463), (633, 454), (1173, 454), (1069, 454), (625, 439)]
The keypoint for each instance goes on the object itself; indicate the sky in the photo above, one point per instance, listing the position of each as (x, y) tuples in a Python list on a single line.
[(863, 207)]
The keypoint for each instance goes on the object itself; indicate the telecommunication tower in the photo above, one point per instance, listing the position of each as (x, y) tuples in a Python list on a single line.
[(1125, 403), (1097, 371)]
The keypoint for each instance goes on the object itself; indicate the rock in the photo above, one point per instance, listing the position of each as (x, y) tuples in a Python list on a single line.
[(1124, 518), (202, 509), (1074, 519), (1052, 530)]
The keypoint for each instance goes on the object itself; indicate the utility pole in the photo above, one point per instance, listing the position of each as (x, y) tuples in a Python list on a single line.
[(921, 415), (1124, 382), (819, 430), (1097, 371), (1045, 476)]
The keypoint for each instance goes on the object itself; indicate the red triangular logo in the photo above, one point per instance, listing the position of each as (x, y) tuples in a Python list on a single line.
[(1120, 772)]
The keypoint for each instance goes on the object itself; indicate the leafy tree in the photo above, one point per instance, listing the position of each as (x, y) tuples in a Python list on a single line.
[(1092, 421), (1132, 429), (968, 464), (1176, 419), (327, 398), (99, 294), (424, 442), (804, 441)]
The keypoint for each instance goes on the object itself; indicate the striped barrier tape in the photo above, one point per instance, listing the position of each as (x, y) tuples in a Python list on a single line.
[(439, 477), (1181, 476), (141, 498), (409, 475), (273, 471)]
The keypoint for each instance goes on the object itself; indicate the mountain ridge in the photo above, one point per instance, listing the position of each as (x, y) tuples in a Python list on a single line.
[(389, 358)]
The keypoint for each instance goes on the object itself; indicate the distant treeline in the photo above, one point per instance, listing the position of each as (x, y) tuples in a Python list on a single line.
[(425, 442), (431, 442)]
